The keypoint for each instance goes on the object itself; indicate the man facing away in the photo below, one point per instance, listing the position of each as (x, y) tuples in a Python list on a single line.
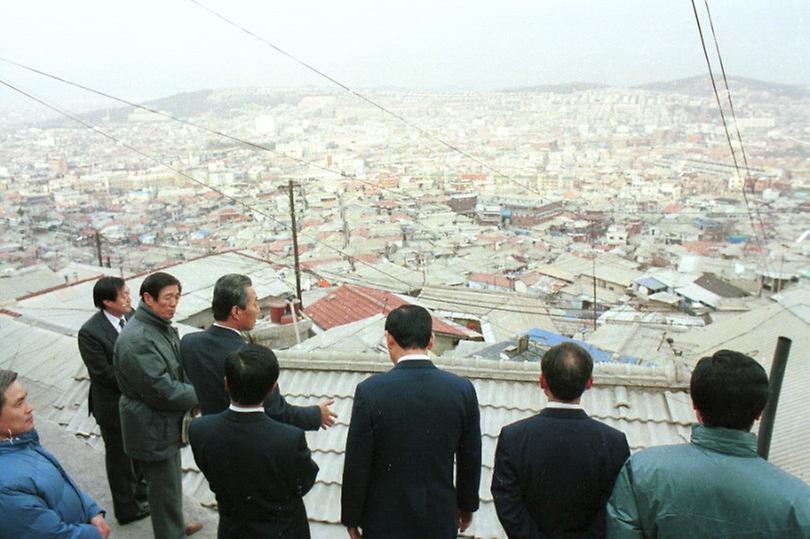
[(235, 308), (407, 426), (715, 486), (96, 341), (258, 468), (37, 497), (154, 398), (554, 471)]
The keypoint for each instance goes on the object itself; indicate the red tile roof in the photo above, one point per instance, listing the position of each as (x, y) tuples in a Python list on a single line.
[(351, 303)]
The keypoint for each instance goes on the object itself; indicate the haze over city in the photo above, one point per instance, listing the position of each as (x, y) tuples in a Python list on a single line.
[(531, 172)]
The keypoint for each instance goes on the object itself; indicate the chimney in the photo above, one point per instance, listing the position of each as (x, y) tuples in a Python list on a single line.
[(523, 344)]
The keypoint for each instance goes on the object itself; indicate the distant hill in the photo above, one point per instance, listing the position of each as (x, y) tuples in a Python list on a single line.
[(567, 88), (700, 85), (189, 104)]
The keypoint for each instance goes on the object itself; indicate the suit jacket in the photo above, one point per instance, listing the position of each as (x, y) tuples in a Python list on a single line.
[(203, 355), (96, 343), (259, 470), (407, 426), (554, 473)]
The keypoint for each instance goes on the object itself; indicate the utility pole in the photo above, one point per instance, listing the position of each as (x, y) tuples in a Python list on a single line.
[(594, 290), (98, 248), (294, 223)]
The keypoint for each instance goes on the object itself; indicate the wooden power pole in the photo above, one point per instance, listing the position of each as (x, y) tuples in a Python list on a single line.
[(294, 224)]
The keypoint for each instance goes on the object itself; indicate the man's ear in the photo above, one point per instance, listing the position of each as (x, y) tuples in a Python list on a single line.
[(432, 340), (590, 383), (543, 383), (698, 415), (226, 384), (235, 312)]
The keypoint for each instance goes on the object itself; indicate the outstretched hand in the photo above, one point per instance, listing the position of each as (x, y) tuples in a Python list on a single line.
[(328, 417)]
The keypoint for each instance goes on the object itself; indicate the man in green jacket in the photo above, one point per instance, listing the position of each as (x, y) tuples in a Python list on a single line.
[(154, 399), (715, 486)]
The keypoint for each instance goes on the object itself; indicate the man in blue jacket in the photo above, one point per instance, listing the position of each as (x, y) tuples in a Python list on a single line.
[(715, 486), (37, 497)]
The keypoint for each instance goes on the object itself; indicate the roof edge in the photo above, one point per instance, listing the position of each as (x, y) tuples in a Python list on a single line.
[(605, 374)]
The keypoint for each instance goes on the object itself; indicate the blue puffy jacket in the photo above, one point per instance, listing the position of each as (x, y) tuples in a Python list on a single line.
[(37, 497)]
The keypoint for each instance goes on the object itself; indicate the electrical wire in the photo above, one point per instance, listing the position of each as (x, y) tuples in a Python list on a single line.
[(731, 107), (186, 175), (357, 94), (728, 137)]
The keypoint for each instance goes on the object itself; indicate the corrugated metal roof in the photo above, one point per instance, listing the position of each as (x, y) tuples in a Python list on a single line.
[(71, 306)]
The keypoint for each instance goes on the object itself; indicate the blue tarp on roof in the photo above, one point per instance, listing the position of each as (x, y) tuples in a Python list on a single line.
[(651, 284), (547, 338)]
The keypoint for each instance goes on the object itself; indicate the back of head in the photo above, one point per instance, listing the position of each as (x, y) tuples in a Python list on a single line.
[(230, 290), (107, 289), (251, 373), (156, 282), (411, 326), (729, 389), (6, 379), (567, 369)]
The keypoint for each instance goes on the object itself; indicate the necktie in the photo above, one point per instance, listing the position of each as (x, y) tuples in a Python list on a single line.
[(121, 324)]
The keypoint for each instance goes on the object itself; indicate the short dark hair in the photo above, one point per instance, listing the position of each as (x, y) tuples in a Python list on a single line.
[(567, 368), (729, 389), (106, 289), (6, 379), (251, 372), (229, 290), (156, 282), (411, 326)]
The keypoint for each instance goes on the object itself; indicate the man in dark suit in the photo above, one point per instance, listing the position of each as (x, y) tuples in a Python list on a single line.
[(96, 341), (407, 427), (554, 471), (258, 468), (235, 308)]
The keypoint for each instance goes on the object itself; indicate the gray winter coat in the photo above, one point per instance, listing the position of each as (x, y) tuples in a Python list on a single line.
[(154, 395)]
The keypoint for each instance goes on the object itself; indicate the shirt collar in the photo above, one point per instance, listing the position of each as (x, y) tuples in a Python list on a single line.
[(217, 324), (564, 405), (114, 320), (246, 409), (412, 357)]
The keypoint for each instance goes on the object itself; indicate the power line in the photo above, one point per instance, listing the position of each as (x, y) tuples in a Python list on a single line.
[(733, 112), (357, 94), (728, 136), (185, 175)]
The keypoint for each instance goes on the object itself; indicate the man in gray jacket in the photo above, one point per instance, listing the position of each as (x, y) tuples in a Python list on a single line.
[(154, 398)]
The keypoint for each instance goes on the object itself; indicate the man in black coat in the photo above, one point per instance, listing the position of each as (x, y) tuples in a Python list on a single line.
[(259, 469), (96, 342), (235, 308), (407, 427), (554, 472)]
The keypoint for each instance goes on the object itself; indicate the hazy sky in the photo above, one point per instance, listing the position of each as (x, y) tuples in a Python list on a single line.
[(147, 49)]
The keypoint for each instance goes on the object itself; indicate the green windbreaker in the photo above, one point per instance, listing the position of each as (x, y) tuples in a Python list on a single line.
[(714, 487)]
